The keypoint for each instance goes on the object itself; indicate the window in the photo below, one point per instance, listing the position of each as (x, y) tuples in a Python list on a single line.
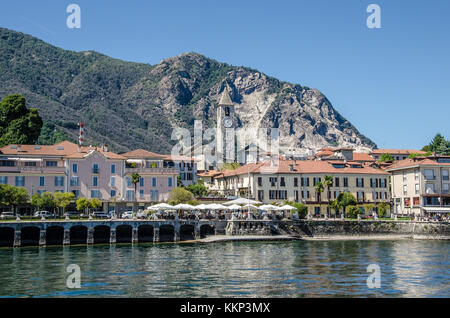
[(129, 183), (30, 164), (282, 183), (7, 163), (42, 181), (405, 189), (113, 168), (273, 181), (416, 188), (59, 181), (113, 181), (296, 183), (336, 182), (383, 183), (346, 182), (51, 163), (429, 188), (169, 182), (95, 194), (95, 168), (130, 195), (416, 174), (260, 195), (76, 193), (141, 182), (360, 182), (259, 182), (407, 202), (428, 174), (113, 193), (74, 182), (95, 181), (445, 175), (416, 201), (3, 180), (316, 180), (153, 182), (141, 194), (404, 176), (20, 181), (446, 188), (154, 195), (75, 168), (360, 196)]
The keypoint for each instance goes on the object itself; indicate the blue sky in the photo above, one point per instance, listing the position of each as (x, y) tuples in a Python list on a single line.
[(391, 83)]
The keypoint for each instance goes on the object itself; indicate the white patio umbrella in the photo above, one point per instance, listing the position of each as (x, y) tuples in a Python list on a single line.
[(268, 207), (160, 206), (242, 201), (215, 206), (183, 206), (234, 207), (286, 208), (200, 207)]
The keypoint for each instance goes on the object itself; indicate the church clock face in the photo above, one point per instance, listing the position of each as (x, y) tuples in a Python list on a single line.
[(227, 122)]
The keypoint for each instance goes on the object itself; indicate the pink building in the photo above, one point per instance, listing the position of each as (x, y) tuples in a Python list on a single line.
[(88, 172)]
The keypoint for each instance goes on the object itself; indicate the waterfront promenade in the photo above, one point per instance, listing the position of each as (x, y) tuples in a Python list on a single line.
[(47, 233)]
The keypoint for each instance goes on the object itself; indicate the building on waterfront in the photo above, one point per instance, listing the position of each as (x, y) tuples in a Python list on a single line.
[(397, 154), (89, 172), (280, 180), (421, 185)]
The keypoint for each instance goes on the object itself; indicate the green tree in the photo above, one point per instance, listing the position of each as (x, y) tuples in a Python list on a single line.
[(135, 178), (48, 200), (36, 201), (319, 189), (18, 124), (369, 207), (382, 209), (302, 210), (62, 200), (199, 189), (13, 196), (346, 199), (353, 212), (413, 155), (335, 205), (328, 182), (386, 157), (82, 204), (230, 166), (180, 195), (443, 148), (95, 203)]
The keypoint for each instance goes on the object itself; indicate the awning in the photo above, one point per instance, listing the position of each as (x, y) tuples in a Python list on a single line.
[(135, 160), (30, 159), (437, 210)]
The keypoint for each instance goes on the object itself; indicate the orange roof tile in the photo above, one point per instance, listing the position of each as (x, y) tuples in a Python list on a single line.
[(397, 151), (141, 153)]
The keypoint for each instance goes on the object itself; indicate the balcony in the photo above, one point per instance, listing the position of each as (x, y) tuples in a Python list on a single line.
[(151, 170), (42, 169)]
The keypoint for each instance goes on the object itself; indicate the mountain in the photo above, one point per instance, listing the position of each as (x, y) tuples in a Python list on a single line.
[(132, 105)]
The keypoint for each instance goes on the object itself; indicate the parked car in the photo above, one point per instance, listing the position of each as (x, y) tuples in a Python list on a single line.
[(7, 215), (45, 214), (127, 215), (141, 215), (101, 215), (73, 214)]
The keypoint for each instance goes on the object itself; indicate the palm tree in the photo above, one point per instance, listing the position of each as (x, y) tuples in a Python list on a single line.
[(135, 178), (319, 189), (328, 182)]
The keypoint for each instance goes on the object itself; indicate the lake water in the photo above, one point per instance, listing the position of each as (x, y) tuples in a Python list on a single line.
[(409, 268)]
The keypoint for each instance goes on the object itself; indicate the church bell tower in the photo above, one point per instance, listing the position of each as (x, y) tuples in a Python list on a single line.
[(226, 124)]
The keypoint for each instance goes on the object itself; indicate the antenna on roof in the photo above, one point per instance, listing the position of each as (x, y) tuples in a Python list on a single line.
[(81, 136)]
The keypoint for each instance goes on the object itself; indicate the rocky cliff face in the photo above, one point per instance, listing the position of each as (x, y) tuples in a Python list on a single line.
[(130, 105)]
